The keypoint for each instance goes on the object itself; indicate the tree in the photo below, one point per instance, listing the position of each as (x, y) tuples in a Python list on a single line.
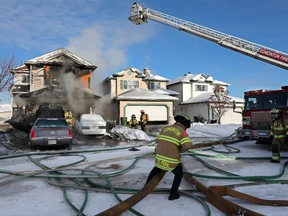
[(220, 102), (6, 78)]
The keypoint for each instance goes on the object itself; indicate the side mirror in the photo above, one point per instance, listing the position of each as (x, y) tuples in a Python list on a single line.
[(234, 107)]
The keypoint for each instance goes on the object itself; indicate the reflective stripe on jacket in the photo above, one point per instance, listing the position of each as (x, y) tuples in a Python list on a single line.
[(279, 129), (170, 142)]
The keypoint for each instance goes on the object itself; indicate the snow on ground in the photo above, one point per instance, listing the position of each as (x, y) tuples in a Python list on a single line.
[(27, 195)]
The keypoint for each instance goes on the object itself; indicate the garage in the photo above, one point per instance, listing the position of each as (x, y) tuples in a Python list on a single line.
[(158, 106), (157, 113)]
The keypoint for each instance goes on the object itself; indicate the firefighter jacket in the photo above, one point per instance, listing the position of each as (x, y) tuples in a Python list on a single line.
[(144, 118), (133, 123), (279, 129), (171, 141), (68, 115)]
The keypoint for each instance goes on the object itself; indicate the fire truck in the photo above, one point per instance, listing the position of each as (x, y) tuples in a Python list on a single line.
[(256, 118)]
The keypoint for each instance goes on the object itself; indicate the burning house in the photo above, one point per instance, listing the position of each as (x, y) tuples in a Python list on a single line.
[(59, 78)]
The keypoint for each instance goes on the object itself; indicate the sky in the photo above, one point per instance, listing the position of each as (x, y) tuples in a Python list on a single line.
[(99, 31), (40, 196)]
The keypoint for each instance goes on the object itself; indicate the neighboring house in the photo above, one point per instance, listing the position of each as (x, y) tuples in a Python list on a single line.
[(59, 77), (194, 93), (129, 91)]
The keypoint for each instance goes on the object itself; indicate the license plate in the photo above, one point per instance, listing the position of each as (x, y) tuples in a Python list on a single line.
[(52, 142)]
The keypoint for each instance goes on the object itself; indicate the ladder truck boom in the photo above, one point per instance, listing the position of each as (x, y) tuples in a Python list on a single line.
[(140, 15)]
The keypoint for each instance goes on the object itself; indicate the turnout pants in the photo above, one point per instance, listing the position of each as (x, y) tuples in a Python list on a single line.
[(178, 174)]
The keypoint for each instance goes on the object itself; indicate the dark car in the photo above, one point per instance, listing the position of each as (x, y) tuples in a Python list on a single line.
[(50, 132)]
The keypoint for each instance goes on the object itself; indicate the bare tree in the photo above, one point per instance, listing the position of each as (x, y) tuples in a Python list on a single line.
[(6, 78), (220, 102)]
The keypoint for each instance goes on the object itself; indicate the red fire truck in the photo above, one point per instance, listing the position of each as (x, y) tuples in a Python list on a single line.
[(256, 118)]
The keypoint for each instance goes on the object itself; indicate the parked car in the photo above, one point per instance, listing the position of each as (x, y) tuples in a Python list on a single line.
[(50, 132), (91, 124)]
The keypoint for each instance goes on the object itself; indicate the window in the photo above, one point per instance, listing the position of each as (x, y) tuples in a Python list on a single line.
[(21, 79), (129, 84), (153, 85), (202, 88)]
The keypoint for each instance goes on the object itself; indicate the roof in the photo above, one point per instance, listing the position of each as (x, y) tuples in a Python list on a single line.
[(189, 77), (55, 92), (166, 92), (139, 74), (144, 95), (51, 56), (203, 98)]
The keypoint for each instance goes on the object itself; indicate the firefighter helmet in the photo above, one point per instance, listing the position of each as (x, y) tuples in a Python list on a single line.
[(142, 111), (183, 119), (133, 116)]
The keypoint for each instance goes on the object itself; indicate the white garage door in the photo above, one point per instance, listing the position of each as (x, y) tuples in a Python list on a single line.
[(156, 113)]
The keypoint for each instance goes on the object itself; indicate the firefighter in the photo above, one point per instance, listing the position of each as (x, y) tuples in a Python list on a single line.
[(279, 134), (144, 118), (69, 117), (133, 123), (171, 141)]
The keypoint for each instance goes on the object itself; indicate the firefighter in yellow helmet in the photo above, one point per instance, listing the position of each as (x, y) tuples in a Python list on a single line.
[(279, 134), (133, 123), (171, 141)]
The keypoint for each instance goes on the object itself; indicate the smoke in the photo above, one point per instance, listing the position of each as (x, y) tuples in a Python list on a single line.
[(106, 45), (18, 101), (75, 93)]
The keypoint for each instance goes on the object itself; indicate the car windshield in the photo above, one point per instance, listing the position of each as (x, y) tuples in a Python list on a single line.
[(51, 123)]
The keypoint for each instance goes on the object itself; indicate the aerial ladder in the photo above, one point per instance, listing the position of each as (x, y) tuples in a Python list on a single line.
[(140, 15)]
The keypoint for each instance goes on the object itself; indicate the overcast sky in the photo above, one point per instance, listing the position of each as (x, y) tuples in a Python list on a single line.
[(99, 31)]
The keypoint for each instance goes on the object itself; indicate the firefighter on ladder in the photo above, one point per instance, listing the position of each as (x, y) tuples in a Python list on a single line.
[(279, 134)]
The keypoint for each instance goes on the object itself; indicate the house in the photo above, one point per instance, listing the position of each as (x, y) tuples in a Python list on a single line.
[(129, 91), (58, 77), (194, 93)]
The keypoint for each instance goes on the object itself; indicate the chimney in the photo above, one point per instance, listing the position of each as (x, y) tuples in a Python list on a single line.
[(147, 72)]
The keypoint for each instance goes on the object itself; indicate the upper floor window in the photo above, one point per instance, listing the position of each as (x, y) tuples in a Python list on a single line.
[(153, 85), (202, 88), (129, 84), (21, 79)]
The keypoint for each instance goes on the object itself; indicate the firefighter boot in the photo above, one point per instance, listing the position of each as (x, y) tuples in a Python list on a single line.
[(174, 196)]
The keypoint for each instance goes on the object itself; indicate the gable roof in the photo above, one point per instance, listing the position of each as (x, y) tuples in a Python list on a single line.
[(139, 94), (203, 98), (189, 77), (52, 56)]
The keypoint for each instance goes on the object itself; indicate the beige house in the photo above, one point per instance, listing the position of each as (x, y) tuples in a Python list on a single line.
[(129, 91), (194, 93)]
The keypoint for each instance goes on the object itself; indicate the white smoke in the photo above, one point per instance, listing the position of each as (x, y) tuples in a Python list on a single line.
[(106, 45)]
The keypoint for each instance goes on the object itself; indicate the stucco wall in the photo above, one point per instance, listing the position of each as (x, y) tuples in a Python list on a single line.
[(201, 110)]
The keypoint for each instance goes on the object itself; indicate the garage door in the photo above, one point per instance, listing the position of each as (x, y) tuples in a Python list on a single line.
[(156, 113)]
